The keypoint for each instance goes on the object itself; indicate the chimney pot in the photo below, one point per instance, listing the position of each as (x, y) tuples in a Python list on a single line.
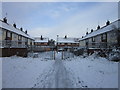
[(21, 29), (26, 32), (107, 23), (91, 30), (41, 37), (86, 33), (14, 25), (5, 20), (65, 36), (98, 27)]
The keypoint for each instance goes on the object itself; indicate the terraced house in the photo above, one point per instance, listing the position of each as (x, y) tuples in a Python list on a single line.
[(105, 37), (41, 44), (13, 40), (67, 43)]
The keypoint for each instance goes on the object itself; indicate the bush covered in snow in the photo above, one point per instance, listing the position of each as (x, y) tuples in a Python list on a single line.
[(102, 53), (114, 55), (33, 55), (78, 52)]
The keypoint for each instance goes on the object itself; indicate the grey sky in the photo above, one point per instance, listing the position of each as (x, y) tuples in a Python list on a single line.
[(59, 18)]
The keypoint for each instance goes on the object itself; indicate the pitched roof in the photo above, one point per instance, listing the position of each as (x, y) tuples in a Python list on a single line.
[(68, 40), (104, 29), (13, 29), (38, 39)]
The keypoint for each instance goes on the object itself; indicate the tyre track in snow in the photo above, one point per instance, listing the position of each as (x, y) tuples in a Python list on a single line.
[(56, 77), (62, 79), (45, 80)]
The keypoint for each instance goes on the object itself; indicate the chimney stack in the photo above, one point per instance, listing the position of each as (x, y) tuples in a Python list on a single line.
[(21, 29), (41, 37), (26, 32), (98, 27), (65, 36), (5, 20), (86, 33), (14, 25), (107, 23), (91, 30)]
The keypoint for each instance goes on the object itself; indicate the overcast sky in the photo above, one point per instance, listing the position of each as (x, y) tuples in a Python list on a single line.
[(59, 18)]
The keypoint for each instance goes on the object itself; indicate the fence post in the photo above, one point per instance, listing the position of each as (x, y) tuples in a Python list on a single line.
[(54, 54), (62, 54)]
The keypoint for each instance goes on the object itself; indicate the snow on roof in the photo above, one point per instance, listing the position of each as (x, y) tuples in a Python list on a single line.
[(13, 29), (41, 40), (68, 40), (103, 30)]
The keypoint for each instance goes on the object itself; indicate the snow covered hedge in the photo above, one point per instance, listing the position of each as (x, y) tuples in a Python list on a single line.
[(114, 55)]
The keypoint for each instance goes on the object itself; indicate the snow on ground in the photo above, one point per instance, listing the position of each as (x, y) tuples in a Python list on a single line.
[(55, 77), (43, 72), (0, 74), (93, 72), (22, 72)]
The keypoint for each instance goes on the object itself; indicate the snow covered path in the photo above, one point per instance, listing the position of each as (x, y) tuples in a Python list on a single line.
[(62, 79), (56, 77)]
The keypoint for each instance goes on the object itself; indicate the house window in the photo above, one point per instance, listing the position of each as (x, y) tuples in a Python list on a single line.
[(37, 43), (104, 37), (93, 39), (31, 43), (8, 34), (65, 43), (26, 41), (19, 37), (87, 44), (15, 36), (69, 44), (42, 43), (1, 32)]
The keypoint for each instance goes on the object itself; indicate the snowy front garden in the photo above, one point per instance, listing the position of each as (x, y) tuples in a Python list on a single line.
[(44, 72)]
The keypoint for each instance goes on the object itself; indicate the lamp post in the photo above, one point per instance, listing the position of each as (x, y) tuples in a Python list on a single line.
[(57, 43)]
